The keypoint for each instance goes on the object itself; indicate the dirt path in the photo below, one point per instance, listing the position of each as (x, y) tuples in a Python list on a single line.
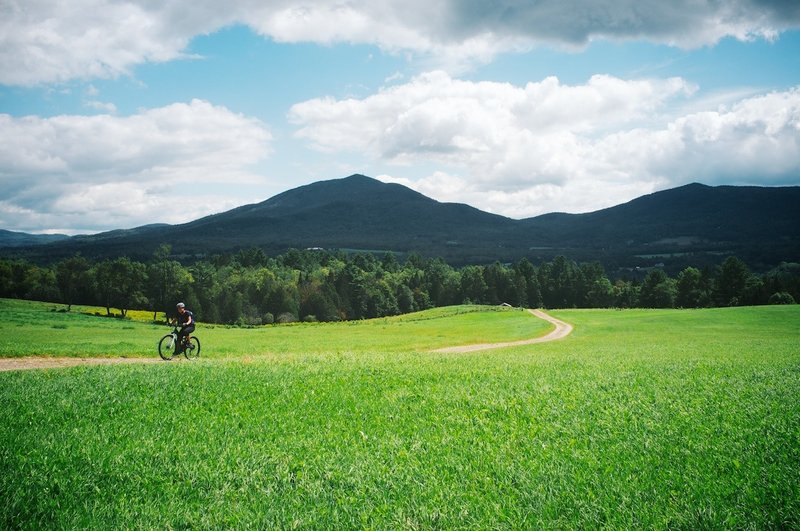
[(40, 362), (561, 331)]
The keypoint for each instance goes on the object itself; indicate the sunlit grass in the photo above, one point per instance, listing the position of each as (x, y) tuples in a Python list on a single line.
[(29, 328), (654, 419)]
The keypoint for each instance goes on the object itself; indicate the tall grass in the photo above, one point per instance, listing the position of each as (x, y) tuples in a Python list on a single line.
[(657, 419)]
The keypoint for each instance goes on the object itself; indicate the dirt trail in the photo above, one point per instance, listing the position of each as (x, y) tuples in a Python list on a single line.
[(43, 362), (561, 331), (40, 362)]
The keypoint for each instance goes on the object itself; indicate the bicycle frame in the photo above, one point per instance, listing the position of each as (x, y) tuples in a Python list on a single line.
[(168, 347)]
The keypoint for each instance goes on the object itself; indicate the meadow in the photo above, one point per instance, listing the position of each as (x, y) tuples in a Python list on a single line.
[(641, 418), (44, 329)]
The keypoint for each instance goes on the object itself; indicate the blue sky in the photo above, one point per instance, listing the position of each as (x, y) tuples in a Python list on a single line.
[(119, 114)]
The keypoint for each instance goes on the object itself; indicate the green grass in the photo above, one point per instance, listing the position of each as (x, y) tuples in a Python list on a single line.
[(44, 329), (29, 328), (655, 419)]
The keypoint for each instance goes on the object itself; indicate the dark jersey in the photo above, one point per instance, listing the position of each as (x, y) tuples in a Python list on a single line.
[(185, 317)]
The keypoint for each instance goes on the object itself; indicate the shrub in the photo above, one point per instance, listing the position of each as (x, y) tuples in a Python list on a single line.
[(781, 297), (287, 317)]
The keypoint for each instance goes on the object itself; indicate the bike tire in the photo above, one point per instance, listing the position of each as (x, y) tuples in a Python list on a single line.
[(166, 347), (193, 352)]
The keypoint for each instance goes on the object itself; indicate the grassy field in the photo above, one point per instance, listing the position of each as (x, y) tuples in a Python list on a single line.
[(42, 329), (641, 418)]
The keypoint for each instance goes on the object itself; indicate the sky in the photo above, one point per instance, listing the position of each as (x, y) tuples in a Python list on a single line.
[(116, 114)]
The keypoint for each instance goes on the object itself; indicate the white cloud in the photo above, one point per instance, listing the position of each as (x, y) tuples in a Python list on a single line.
[(754, 141), (107, 172), (523, 151), (448, 118), (44, 42), (106, 107), (496, 129)]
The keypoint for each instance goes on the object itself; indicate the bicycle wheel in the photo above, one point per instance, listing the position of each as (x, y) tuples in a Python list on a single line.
[(166, 347), (192, 351)]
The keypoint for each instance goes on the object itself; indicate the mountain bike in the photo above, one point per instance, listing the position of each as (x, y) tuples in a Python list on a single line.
[(168, 347)]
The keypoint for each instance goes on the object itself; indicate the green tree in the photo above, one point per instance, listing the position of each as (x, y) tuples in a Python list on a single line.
[(754, 291), (442, 283), (595, 290), (6, 279), (626, 294), (284, 300), (600, 293), (422, 301), (473, 286), (731, 281), (519, 296), (72, 276), (231, 306), (205, 289), (252, 257), (500, 287), (120, 284), (381, 299), (389, 263), (689, 288), (559, 281), (405, 299), (658, 290), (533, 294), (784, 278), (318, 299), (38, 283), (168, 282)]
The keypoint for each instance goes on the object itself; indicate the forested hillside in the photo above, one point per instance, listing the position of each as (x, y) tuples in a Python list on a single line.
[(693, 225)]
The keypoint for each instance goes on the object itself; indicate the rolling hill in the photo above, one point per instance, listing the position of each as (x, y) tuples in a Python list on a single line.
[(20, 239), (693, 224)]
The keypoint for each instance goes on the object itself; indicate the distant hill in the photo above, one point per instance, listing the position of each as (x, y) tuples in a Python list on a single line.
[(356, 212), (690, 224), (693, 224), (20, 239)]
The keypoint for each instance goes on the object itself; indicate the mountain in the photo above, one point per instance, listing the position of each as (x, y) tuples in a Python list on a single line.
[(356, 212), (689, 224), (693, 224), (21, 239)]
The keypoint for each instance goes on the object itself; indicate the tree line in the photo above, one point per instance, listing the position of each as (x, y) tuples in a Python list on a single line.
[(250, 288)]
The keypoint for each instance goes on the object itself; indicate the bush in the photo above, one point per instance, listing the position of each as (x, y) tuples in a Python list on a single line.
[(268, 319), (247, 321), (310, 319), (781, 297), (287, 317)]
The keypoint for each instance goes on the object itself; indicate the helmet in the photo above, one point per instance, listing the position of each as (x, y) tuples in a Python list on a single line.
[(180, 305)]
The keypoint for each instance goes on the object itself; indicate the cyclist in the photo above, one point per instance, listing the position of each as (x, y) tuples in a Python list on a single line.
[(186, 322)]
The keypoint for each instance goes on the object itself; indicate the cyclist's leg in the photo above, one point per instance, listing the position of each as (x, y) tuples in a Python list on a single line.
[(181, 339), (183, 335)]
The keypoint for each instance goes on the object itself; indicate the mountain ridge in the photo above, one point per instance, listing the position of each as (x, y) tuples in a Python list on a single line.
[(694, 223), (9, 238)]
